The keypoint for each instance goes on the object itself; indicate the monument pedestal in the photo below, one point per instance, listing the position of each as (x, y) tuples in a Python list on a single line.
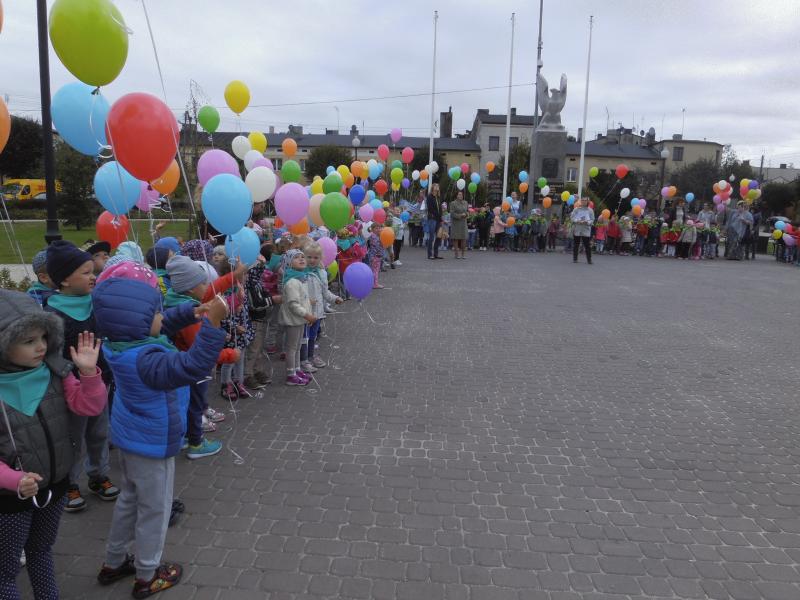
[(551, 154)]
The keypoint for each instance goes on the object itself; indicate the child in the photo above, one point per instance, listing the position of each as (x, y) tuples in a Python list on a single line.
[(375, 253), (642, 231), (600, 230), (710, 250), (673, 235), (42, 288), (318, 295), (498, 229), (149, 418), (626, 229), (262, 295), (100, 251), (275, 334), (72, 273), (240, 333), (38, 392), (613, 235), (687, 239), (664, 239), (295, 312), (552, 234)]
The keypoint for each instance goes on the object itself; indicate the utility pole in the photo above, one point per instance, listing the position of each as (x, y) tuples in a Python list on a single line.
[(761, 170), (508, 112), (585, 110), (532, 170)]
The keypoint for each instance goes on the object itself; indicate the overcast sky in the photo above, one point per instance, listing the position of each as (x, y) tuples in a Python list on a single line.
[(733, 65)]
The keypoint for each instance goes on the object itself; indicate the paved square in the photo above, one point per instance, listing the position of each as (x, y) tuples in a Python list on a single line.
[(510, 427)]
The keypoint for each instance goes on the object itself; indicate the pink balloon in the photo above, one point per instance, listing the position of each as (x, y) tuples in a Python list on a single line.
[(717, 199), (214, 162), (396, 133), (407, 155), (383, 151), (720, 208), (464, 168), (665, 191), (328, 250), (365, 213), (291, 203), (262, 162), (148, 197)]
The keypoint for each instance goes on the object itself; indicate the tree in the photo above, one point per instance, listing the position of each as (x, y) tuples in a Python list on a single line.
[(731, 165), (421, 159), (323, 157), (23, 152), (604, 190), (76, 172), (520, 161), (779, 196), (698, 177)]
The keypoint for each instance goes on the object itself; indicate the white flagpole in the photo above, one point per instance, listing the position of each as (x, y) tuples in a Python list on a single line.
[(433, 86), (508, 112), (585, 110)]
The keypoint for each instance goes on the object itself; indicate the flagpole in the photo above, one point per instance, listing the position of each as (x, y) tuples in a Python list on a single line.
[(585, 110), (533, 170), (433, 86), (508, 112)]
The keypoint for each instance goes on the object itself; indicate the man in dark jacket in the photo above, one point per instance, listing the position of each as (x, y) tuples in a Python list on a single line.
[(433, 205)]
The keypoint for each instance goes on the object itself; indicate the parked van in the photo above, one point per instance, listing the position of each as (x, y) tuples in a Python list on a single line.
[(25, 189)]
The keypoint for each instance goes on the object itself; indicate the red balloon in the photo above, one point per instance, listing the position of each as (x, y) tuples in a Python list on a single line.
[(143, 134), (381, 187), (379, 216), (788, 229), (621, 171), (383, 151), (591, 204), (407, 155), (111, 229)]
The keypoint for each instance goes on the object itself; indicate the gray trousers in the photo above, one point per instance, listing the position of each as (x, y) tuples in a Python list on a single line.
[(91, 436), (142, 510)]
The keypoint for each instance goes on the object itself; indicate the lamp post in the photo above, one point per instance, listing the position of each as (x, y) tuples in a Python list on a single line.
[(51, 233), (356, 143)]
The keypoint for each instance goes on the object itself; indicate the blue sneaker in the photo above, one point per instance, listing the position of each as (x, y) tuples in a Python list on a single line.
[(205, 448)]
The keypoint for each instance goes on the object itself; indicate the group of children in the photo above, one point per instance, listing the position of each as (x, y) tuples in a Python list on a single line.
[(653, 236), (120, 351)]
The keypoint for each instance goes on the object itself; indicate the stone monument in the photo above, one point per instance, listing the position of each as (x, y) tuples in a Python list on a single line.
[(550, 137)]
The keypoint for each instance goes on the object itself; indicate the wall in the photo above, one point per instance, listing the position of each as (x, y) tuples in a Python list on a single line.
[(485, 131)]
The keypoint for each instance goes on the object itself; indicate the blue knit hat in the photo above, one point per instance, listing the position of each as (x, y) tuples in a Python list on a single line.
[(39, 262), (63, 259)]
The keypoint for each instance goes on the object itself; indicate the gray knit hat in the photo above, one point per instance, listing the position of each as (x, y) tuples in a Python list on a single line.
[(184, 273), (39, 262)]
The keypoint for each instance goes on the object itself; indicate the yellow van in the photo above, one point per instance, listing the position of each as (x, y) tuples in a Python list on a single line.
[(25, 189)]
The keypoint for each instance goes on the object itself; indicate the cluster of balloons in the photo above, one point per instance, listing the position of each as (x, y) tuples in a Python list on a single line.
[(668, 191), (637, 206), (785, 231), (749, 190)]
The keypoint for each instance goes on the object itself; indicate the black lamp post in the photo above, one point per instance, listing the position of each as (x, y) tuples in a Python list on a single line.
[(52, 233)]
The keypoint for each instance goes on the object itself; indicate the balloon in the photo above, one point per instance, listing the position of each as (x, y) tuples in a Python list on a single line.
[(301, 227), (621, 171), (80, 117), (215, 162), (665, 153), (605, 213), (241, 146), (454, 173), (148, 197), (548, 201), (115, 188), (423, 175), (380, 187), (407, 155), (386, 204), (753, 184), (111, 229), (5, 124), (379, 216), (405, 183), (744, 183), (788, 228), (637, 210), (672, 191), (571, 201), (472, 187), (168, 181), (475, 178), (374, 171), (396, 133), (723, 185), (489, 166), (415, 174), (461, 184), (291, 203), (262, 183), (250, 159), (541, 182), (396, 175), (464, 168), (290, 172), (423, 183), (289, 147), (690, 197), (777, 234), (594, 172), (720, 208), (387, 237), (523, 176), (227, 203), (335, 210), (789, 240), (365, 213), (506, 206), (511, 221), (523, 187), (208, 117), (357, 194), (237, 96), (564, 195), (332, 183), (258, 141), (243, 245), (383, 151), (144, 135), (358, 280), (405, 216), (329, 169), (375, 203), (624, 193), (665, 191), (343, 171), (781, 225), (314, 204), (90, 38), (328, 250), (642, 203), (545, 190), (333, 271)]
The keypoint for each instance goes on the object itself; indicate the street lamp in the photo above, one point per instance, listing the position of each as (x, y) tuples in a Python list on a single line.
[(356, 143), (52, 233)]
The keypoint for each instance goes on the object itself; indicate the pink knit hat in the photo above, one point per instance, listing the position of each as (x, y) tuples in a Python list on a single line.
[(129, 270)]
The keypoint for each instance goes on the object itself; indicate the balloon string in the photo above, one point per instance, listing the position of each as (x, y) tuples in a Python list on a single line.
[(155, 50), (8, 225)]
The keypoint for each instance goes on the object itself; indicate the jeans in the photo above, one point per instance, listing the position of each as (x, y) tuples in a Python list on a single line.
[(471, 234), (639, 247), (197, 405), (310, 335), (433, 242), (598, 245), (587, 245)]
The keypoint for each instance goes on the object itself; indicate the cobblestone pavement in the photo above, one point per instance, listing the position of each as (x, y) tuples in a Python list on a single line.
[(510, 427)]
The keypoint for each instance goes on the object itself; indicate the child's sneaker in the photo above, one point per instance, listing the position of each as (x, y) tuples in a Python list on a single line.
[(253, 382), (75, 502), (283, 356), (295, 380), (263, 378), (319, 363), (303, 375), (107, 575), (205, 448), (214, 415), (272, 349), (104, 489), (166, 576), (208, 426), (229, 392), (307, 367), (241, 390)]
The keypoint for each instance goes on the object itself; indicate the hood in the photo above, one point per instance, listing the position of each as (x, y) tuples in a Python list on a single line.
[(18, 314), (124, 309)]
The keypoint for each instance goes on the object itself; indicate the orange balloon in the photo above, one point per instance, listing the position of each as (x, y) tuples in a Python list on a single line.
[(355, 168), (111, 229), (423, 175), (387, 237), (506, 206), (167, 183), (350, 180), (489, 167), (716, 188), (637, 210), (523, 187), (672, 191), (278, 222), (289, 147), (510, 221), (301, 227), (605, 213), (5, 120), (547, 202)]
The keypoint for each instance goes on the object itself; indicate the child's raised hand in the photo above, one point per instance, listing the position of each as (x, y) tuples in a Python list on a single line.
[(29, 485), (240, 271), (85, 356), (215, 310)]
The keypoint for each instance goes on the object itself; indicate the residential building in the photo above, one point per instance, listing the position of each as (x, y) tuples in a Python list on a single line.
[(781, 174), (489, 132)]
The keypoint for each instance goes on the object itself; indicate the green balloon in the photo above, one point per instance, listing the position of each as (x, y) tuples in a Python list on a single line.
[(335, 210), (455, 173), (332, 183), (208, 117), (593, 172), (396, 175), (541, 182), (396, 164), (472, 187), (290, 172), (90, 38)]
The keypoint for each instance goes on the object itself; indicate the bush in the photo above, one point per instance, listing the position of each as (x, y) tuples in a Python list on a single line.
[(7, 283)]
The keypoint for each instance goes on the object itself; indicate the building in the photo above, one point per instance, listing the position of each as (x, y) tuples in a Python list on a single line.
[(782, 174), (684, 152), (489, 132)]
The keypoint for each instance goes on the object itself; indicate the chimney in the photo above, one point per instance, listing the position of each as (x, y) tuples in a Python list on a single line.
[(783, 166), (272, 128), (580, 133), (353, 131), (331, 131), (746, 162), (513, 111), (677, 137), (295, 130), (483, 111), (446, 123)]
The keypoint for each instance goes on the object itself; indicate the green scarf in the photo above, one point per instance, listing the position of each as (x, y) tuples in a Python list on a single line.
[(160, 340), (274, 261), (24, 391), (321, 273), (38, 286), (291, 273), (173, 298), (75, 307)]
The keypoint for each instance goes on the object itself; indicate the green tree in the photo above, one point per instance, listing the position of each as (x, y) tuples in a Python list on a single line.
[(321, 157), (520, 161), (779, 196), (697, 177), (731, 165), (421, 159), (23, 152), (76, 172), (604, 190)]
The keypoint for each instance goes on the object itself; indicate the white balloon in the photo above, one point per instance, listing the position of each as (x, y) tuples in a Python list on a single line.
[(732, 178), (356, 142), (624, 193), (250, 158), (371, 162), (546, 190), (723, 185), (241, 146), (414, 174), (461, 184), (435, 167), (261, 182)]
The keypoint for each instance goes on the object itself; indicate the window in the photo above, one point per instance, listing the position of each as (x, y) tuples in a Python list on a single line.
[(572, 174), (277, 163), (512, 143), (303, 164), (25, 190), (677, 153), (494, 142)]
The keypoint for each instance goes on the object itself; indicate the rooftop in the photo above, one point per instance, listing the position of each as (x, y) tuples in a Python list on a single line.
[(599, 149), (484, 116)]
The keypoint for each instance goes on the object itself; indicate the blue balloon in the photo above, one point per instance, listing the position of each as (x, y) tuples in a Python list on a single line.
[(357, 193), (376, 204), (780, 225), (329, 170), (80, 117), (244, 245), (475, 178), (371, 195), (405, 216), (753, 185), (115, 188), (374, 171), (358, 280), (523, 176), (380, 168), (689, 197), (571, 201), (423, 183), (227, 203)]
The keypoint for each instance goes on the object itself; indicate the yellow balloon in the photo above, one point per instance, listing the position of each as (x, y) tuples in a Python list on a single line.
[(744, 183), (395, 187), (316, 186), (385, 203), (258, 141), (565, 195), (777, 234), (343, 171), (237, 96)]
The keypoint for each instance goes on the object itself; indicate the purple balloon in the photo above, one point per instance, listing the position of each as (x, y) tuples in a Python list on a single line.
[(753, 185), (291, 203), (328, 250), (406, 183), (262, 162), (396, 133), (358, 280), (720, 208), (148, 197), (665, 191), (788, 239), (365, 213), (717, 198), (214, 162)]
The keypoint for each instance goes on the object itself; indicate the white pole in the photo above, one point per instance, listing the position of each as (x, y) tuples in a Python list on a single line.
[(433, 86), (585, 110), (508, 113)]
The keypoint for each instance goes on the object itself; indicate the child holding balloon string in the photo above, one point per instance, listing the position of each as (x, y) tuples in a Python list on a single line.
[(375, 253), (295, 312), (319, 295)]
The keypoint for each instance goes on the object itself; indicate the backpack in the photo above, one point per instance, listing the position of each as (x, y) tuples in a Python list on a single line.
[(259, 302)]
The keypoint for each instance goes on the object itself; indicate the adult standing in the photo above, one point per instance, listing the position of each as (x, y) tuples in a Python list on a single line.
[(678, 213), (706, 216), (582, 218), (484, 222), (459, 209), (433, 205), (738, 224), (752, 234)]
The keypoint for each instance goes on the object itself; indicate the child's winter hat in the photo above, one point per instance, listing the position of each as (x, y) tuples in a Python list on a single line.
[(185, 273), (157, 258), (170, 243), (130, 250), (63, 259), (19, 313), (39, 262), (128, 269)]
